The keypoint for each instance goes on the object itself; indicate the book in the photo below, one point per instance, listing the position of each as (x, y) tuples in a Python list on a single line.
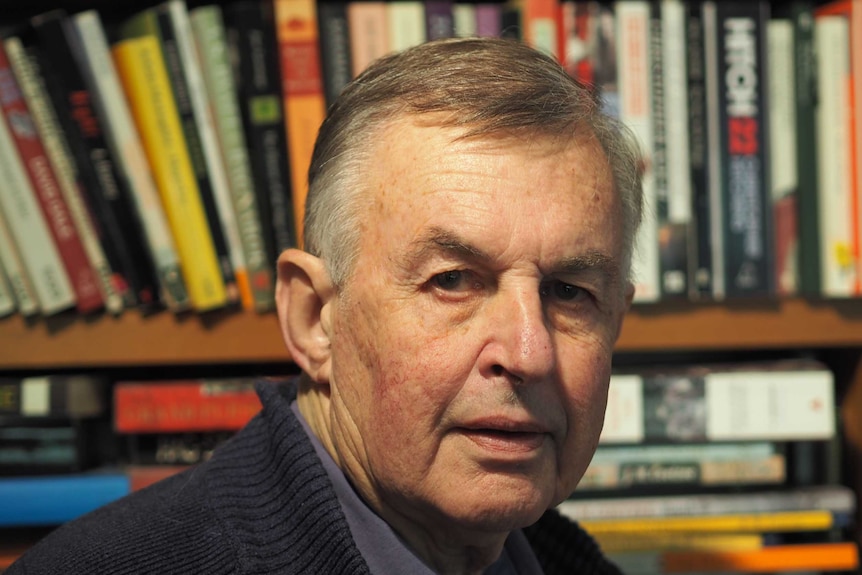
[(439, 19), (652, 542), (488, 20), (369, 34), (812, 557), (679, 468), (7, 298), (783, 167), (27, 225), (302, 90), (736, 84), (335, 55), (150, 450), (10, 260), (41, 446), (539, 24), (145, 81), (838, 34), (62, 162), (182, 65), (701, 119), (801, 14), (142, 476), (122, 236), (671, 155), (464, 16), (635, 110), (52, 500), (251, 35), (405, 24), (836, 499), (82, 277), (71, 396), (91, 48), (209, 32), (578, 36), (778, 401), (183, 405)]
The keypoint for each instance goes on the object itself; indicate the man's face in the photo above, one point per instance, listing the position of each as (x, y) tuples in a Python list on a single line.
[(471, 346)]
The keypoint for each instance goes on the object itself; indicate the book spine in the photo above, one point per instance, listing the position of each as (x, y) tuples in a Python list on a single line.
[(675, 234), (335, 56), (125, 144), (54, 500), (63, 232), (820, 557), (715, 165), (146, 84), (7, 297), (743, 116), (234, 266), (578, 42), (832, 36), (836, 499), (179, 74), (52, 396), (464, 16), (783, 170), (405, 23), (13, 267), (700, 251), (489, 21), (257, 75), (778, 405), (121, 236), (209, 34), (369, 34), (439, 21), (781, 521), (302, 89), (183, 406), (62, 163), (805, 69), (635, 90)]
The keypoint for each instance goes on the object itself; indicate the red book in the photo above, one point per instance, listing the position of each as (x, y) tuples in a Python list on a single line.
[(184, 406), (63, 231)]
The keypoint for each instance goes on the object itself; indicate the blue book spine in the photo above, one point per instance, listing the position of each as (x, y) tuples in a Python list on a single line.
[(52, 500)]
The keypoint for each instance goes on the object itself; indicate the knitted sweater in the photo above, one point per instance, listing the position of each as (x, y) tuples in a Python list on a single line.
[(262, 504)]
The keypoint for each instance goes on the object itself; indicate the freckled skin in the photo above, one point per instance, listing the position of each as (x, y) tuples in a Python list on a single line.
[(417, 357)]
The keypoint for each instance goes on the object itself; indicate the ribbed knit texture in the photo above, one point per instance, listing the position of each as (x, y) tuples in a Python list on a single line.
[(262, 505)]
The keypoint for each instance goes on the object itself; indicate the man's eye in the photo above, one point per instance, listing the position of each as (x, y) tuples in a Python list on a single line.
[(449, 280), (561, 290)]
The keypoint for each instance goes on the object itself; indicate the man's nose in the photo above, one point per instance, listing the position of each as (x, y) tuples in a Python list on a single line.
[(522, 343)]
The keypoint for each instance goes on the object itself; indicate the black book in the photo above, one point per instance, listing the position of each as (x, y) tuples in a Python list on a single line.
[(700, 252), (252, 40), (119, 229), (334, 48)]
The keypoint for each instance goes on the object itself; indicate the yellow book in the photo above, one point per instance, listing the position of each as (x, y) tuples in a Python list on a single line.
[(627, 542), (815, 520), (145, 81), (302, 86)]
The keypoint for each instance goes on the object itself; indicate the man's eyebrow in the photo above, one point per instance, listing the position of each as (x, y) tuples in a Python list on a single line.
[(592, 262), (438, 239)]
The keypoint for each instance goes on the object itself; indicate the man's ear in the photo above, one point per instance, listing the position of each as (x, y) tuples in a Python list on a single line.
[(303, 297)]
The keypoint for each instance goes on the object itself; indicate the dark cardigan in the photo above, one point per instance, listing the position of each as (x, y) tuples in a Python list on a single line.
[(263, 504)]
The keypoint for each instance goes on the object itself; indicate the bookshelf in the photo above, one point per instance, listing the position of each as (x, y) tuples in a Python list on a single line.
[(237, 337)]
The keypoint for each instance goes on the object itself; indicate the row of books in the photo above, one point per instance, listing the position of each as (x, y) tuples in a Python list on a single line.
[(665, 460)]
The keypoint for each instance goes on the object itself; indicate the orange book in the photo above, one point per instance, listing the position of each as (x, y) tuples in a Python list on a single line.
[(302, 90), (540, 24), (812, 557), (852, 10), (184, 406)]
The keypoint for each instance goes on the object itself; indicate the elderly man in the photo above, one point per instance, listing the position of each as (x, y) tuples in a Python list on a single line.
[(469, 233)]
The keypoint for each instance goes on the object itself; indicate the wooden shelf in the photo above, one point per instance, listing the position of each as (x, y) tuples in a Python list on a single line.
[(245, 338)]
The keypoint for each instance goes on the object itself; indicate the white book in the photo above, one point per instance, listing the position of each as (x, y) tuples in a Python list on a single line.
[(832, 47), (128, 152), (7, 299), (464, 16), (713, 160), (405, 24), (30, 230), (698, 405), (635, 92), (783, 168), (19, 282), (60, 159), (202, 111)]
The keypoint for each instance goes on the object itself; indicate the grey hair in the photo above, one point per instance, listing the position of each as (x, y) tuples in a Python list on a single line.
[(487, 86)]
